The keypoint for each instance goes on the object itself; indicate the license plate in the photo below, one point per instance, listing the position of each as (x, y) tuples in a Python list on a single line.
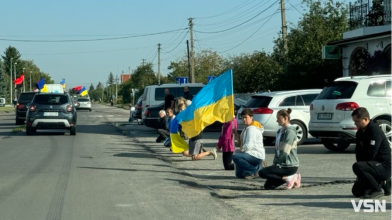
[(51, 114), (324, 116)]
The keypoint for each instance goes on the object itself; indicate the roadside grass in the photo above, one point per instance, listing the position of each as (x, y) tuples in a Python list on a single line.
[(19, 129), (7, 109)]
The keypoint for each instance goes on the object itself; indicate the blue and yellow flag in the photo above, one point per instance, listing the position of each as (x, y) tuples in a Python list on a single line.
[(41, 85), (62, 82), (83, 91), (214, 102)]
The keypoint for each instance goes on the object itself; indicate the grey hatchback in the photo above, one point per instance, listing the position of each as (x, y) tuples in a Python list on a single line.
[(51, 111)]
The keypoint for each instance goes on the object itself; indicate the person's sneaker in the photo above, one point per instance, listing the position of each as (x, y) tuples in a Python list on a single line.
[(250, 177), (290, 183), (373, 195), (386, 187), (213, 153), (297, 183)]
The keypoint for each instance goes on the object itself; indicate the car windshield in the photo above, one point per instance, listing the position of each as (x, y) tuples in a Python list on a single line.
[(51, 99), (83, 100), (26, 97), (258, 101), (338, 90)]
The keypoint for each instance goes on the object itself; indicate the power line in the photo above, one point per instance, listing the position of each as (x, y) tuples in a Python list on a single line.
[(211, 32), (96, 39), (295, 8), (235, 18), (251, 34), (179, 43), (228, 11)]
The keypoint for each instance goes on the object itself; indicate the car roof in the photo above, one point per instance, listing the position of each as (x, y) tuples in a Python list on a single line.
[(177, 85), (288, 92), (360, 78)]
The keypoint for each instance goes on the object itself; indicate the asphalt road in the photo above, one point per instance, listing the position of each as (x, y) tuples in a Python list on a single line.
[(97, 174)]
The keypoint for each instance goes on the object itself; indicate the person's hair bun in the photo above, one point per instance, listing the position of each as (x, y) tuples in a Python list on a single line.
[(289, 110)]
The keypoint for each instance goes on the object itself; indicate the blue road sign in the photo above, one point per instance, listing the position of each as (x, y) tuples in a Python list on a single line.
[(210, 78), (181, 80)]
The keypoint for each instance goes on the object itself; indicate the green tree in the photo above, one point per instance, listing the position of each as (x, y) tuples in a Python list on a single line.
[(91, 89), (254, 72), (110, 79), (303, 64), (207, 63)]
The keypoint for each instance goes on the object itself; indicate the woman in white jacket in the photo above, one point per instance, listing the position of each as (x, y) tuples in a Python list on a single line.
[(248, 161)]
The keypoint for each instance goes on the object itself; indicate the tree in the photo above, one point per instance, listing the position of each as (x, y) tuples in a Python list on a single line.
[(207, 63), (303, 64), (254, 72), (110, 79), (10, 52), (91, 88), (4, 81), (99, 85)]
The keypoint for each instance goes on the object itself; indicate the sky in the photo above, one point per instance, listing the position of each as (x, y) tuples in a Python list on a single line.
[(83, 41)]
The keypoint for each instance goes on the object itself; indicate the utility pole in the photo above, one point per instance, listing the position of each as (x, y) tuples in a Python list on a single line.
[(159, 64), (189, 62), (192, 52), (16, 91), (143, 61), (284, 26), (11, 80), (116, 86), (30, 82)]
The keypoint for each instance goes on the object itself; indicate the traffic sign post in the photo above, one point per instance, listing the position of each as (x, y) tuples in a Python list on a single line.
[(181, 80)]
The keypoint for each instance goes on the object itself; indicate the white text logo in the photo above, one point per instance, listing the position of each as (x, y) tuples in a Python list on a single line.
[(369, 205)]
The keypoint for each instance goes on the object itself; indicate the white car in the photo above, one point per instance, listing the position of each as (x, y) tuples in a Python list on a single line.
[(265, 106), (84, 103), (330, 112)]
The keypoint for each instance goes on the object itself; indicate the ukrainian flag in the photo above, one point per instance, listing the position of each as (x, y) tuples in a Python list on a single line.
[(62, 82), (214, 102), (83, 91), (41, 85)]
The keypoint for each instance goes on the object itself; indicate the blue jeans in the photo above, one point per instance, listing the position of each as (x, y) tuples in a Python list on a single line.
[(246, 165)]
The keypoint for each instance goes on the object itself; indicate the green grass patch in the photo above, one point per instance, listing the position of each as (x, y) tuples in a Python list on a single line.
[(19, 129), (7, 109)]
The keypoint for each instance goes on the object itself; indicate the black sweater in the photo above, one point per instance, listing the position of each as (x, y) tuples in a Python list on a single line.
[(373, 145)]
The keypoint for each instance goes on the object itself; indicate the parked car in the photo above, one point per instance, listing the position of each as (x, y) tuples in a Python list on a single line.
[(51, 111), (84, 103), (151, 115), (330, 112), (138, 109), (155, 94), (265, 106), (20, 107)]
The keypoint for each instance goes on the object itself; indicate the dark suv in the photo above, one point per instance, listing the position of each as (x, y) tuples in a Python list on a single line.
[(51, 111), (20, 108)]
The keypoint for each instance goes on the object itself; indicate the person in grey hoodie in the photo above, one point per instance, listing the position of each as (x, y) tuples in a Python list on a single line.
[(285, 165), (248, 161)]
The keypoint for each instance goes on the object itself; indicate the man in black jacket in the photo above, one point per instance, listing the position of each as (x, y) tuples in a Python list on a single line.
[(373, 154)]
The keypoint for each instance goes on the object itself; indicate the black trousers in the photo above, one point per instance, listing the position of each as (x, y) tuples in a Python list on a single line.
[(274, 175), (163, 133), (227, 158), (370, 175)]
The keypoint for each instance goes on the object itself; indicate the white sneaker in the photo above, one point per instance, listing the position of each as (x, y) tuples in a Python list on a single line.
[(213, 153)]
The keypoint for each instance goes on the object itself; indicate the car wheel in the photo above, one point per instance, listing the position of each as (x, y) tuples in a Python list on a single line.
[(386, 128), (301, 131), (90, 109), (269, 141), (30, 131), (73, 130), (337, 145), (19, 122)]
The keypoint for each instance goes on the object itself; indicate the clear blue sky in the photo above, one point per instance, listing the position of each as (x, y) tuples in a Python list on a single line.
[(83, 63)]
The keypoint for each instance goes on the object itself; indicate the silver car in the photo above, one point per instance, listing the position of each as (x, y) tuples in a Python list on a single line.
[(84, 103), (265, 106)]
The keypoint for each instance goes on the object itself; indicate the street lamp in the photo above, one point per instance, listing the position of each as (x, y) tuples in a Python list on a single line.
[(30, 81), (24, 89), (16, 94), (11, 80)]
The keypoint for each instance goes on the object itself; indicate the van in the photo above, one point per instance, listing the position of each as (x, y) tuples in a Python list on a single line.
[(155, 94)]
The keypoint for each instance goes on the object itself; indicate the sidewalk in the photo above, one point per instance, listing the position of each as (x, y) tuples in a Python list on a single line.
[(325, 192)]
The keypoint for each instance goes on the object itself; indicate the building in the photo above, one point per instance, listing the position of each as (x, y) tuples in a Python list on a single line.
[(366, 46), (125, 77)]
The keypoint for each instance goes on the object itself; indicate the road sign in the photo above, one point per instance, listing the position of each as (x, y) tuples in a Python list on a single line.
[(210, 78), (331, 52), (181, 80)]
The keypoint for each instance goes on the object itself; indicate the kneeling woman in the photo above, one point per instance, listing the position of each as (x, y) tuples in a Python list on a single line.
[(285, 165)]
